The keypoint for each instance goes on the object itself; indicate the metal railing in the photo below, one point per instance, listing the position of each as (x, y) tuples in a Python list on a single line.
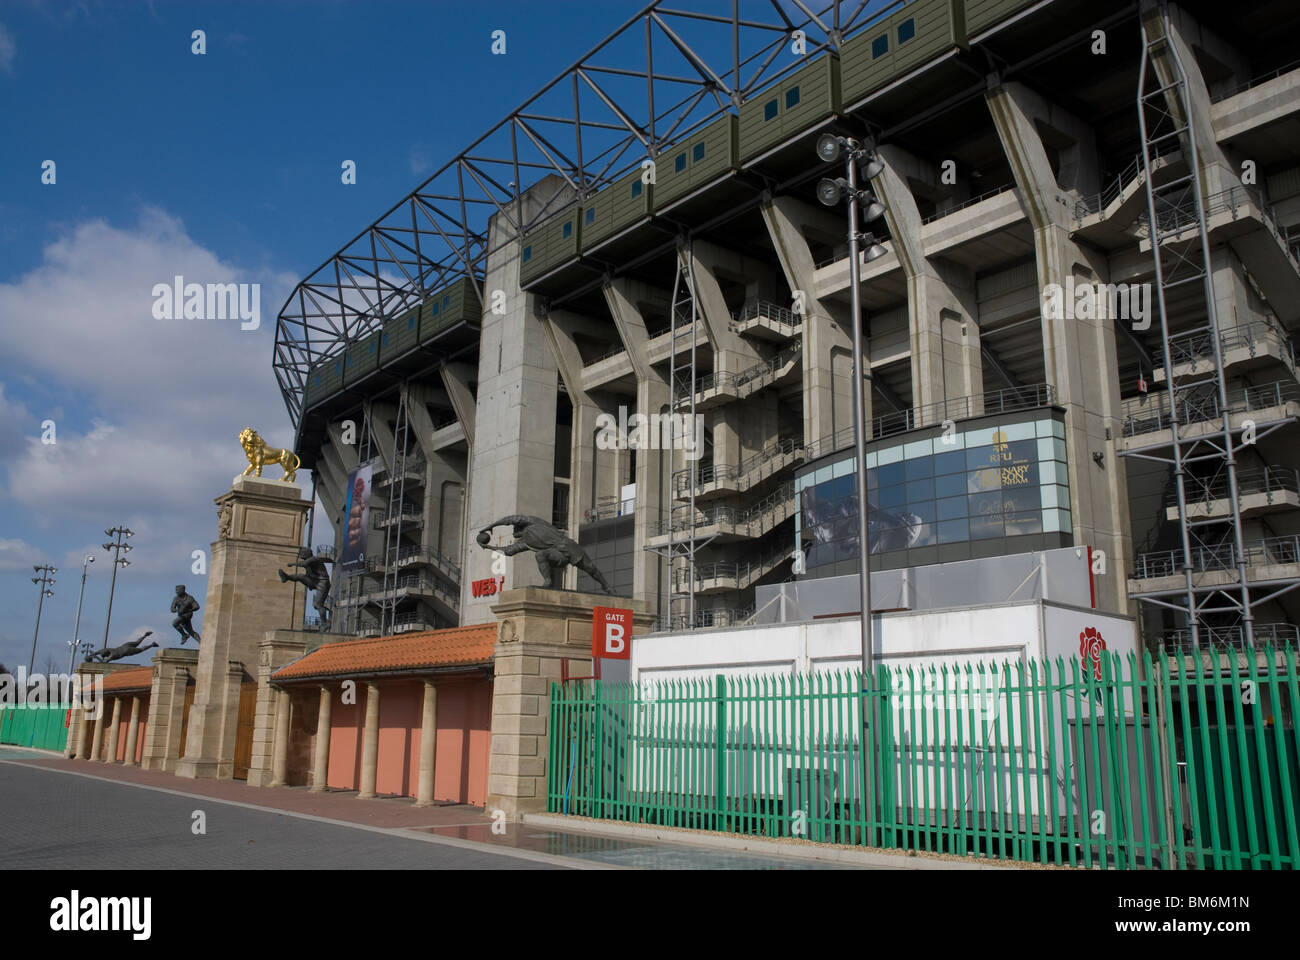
[(613, 350), (682, 323), (744, 382), (766, 310), (1177, 215), (1270, 480), (940, 214), (1264, 552), (1015, 762), (1266, 634), (744, 572), (414, 469), (1194, 346), (717, 617), (742, 520), (1200, 403), (1087, 206), (1255, 81)]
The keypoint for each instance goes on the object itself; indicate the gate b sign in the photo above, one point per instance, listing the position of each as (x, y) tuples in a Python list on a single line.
[(611, 633)]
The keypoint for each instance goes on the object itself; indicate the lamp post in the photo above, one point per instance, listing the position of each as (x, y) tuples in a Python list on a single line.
[(45, 583), (830, 192), (117, 547), (76, 630)]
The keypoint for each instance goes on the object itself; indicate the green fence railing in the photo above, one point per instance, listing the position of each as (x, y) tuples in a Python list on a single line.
[(1185, 762), (31, 725)]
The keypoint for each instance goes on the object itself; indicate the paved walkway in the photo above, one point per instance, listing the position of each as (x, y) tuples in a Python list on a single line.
[(280, 827)]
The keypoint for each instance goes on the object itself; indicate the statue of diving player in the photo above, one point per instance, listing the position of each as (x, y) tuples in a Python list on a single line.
[(553, 549), (128, 649)]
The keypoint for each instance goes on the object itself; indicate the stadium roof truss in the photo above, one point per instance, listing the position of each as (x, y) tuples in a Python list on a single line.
[(661, 75)]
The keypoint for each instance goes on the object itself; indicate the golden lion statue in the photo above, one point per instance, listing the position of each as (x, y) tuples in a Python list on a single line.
[(259, 454)]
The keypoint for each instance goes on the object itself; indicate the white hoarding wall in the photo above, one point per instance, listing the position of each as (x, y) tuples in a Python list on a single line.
[(969, 738)]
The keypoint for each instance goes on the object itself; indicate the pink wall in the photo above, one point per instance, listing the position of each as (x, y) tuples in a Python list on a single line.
[(401, 711), (346, 724), (464, 741)]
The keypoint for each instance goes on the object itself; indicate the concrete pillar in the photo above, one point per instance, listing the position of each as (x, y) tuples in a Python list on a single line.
[(277, 648), (111, 756), (132, 732), (98, 737), (174, 669), (428, 745), (513, 466), (942, 310), (370, 743), (321, 761), (540, 630), (1078, 354), (827, 337), (245, 596), (280, 750)]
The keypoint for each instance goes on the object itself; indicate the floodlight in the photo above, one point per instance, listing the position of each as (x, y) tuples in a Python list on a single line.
[(831, 191), (829, 147), (872, 168)]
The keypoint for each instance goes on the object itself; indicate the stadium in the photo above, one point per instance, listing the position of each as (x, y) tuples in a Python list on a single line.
[(1078, 296)]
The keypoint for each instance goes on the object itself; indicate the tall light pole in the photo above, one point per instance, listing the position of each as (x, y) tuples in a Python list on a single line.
[(76, 630), (45, 583), (117, 547), (830, 192)]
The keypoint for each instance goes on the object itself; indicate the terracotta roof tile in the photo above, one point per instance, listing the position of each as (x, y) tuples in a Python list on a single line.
[(134, 678), (454, 646)]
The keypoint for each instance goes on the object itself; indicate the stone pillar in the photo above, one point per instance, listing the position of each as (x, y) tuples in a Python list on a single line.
[(173, 672), (280, 750), (276, 648), (98, 737), (428, 745), (321, 762), (370, 744), (538, 631), (132, 732), (111, 756), (245, 597)]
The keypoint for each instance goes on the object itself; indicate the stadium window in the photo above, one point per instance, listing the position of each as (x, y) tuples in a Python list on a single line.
[(906, 30), (769, 110), (528, 255), (698, 154), (591, 218), (567, 230), (791, 97), (528, 252), (410, 325), (880, 46), (636, 192), (680, 163), (446, 302)]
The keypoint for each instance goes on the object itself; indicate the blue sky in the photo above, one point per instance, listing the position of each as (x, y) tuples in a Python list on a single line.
[(222, 168)]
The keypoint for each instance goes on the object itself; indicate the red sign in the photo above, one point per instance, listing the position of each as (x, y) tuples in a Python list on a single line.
[(486, 587), (611, 633), (1091, 647)]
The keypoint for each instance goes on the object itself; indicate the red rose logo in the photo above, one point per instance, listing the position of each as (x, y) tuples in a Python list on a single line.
[(1091, 644)]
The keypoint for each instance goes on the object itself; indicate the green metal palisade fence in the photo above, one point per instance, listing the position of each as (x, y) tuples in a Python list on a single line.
[(1189, 763), (35, 725)]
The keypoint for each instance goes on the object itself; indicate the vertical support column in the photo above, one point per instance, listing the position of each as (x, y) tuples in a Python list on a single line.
[(98, 736), (111, 757), (428, 745), (370, 744), (132, 732), (321, 761), (280, 746), (173, 668)]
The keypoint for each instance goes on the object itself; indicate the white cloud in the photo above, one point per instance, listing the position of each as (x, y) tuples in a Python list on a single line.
[(8, 51), (18, 555)]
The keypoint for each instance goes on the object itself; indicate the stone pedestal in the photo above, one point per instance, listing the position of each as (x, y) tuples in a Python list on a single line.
[(538, 631), (276, 648), (174, 669), (245, 599)]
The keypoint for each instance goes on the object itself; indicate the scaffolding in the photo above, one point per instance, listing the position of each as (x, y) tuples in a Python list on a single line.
[(1179, 236)]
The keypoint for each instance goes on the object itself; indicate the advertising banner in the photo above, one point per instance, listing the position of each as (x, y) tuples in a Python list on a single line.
[(357, 518)]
